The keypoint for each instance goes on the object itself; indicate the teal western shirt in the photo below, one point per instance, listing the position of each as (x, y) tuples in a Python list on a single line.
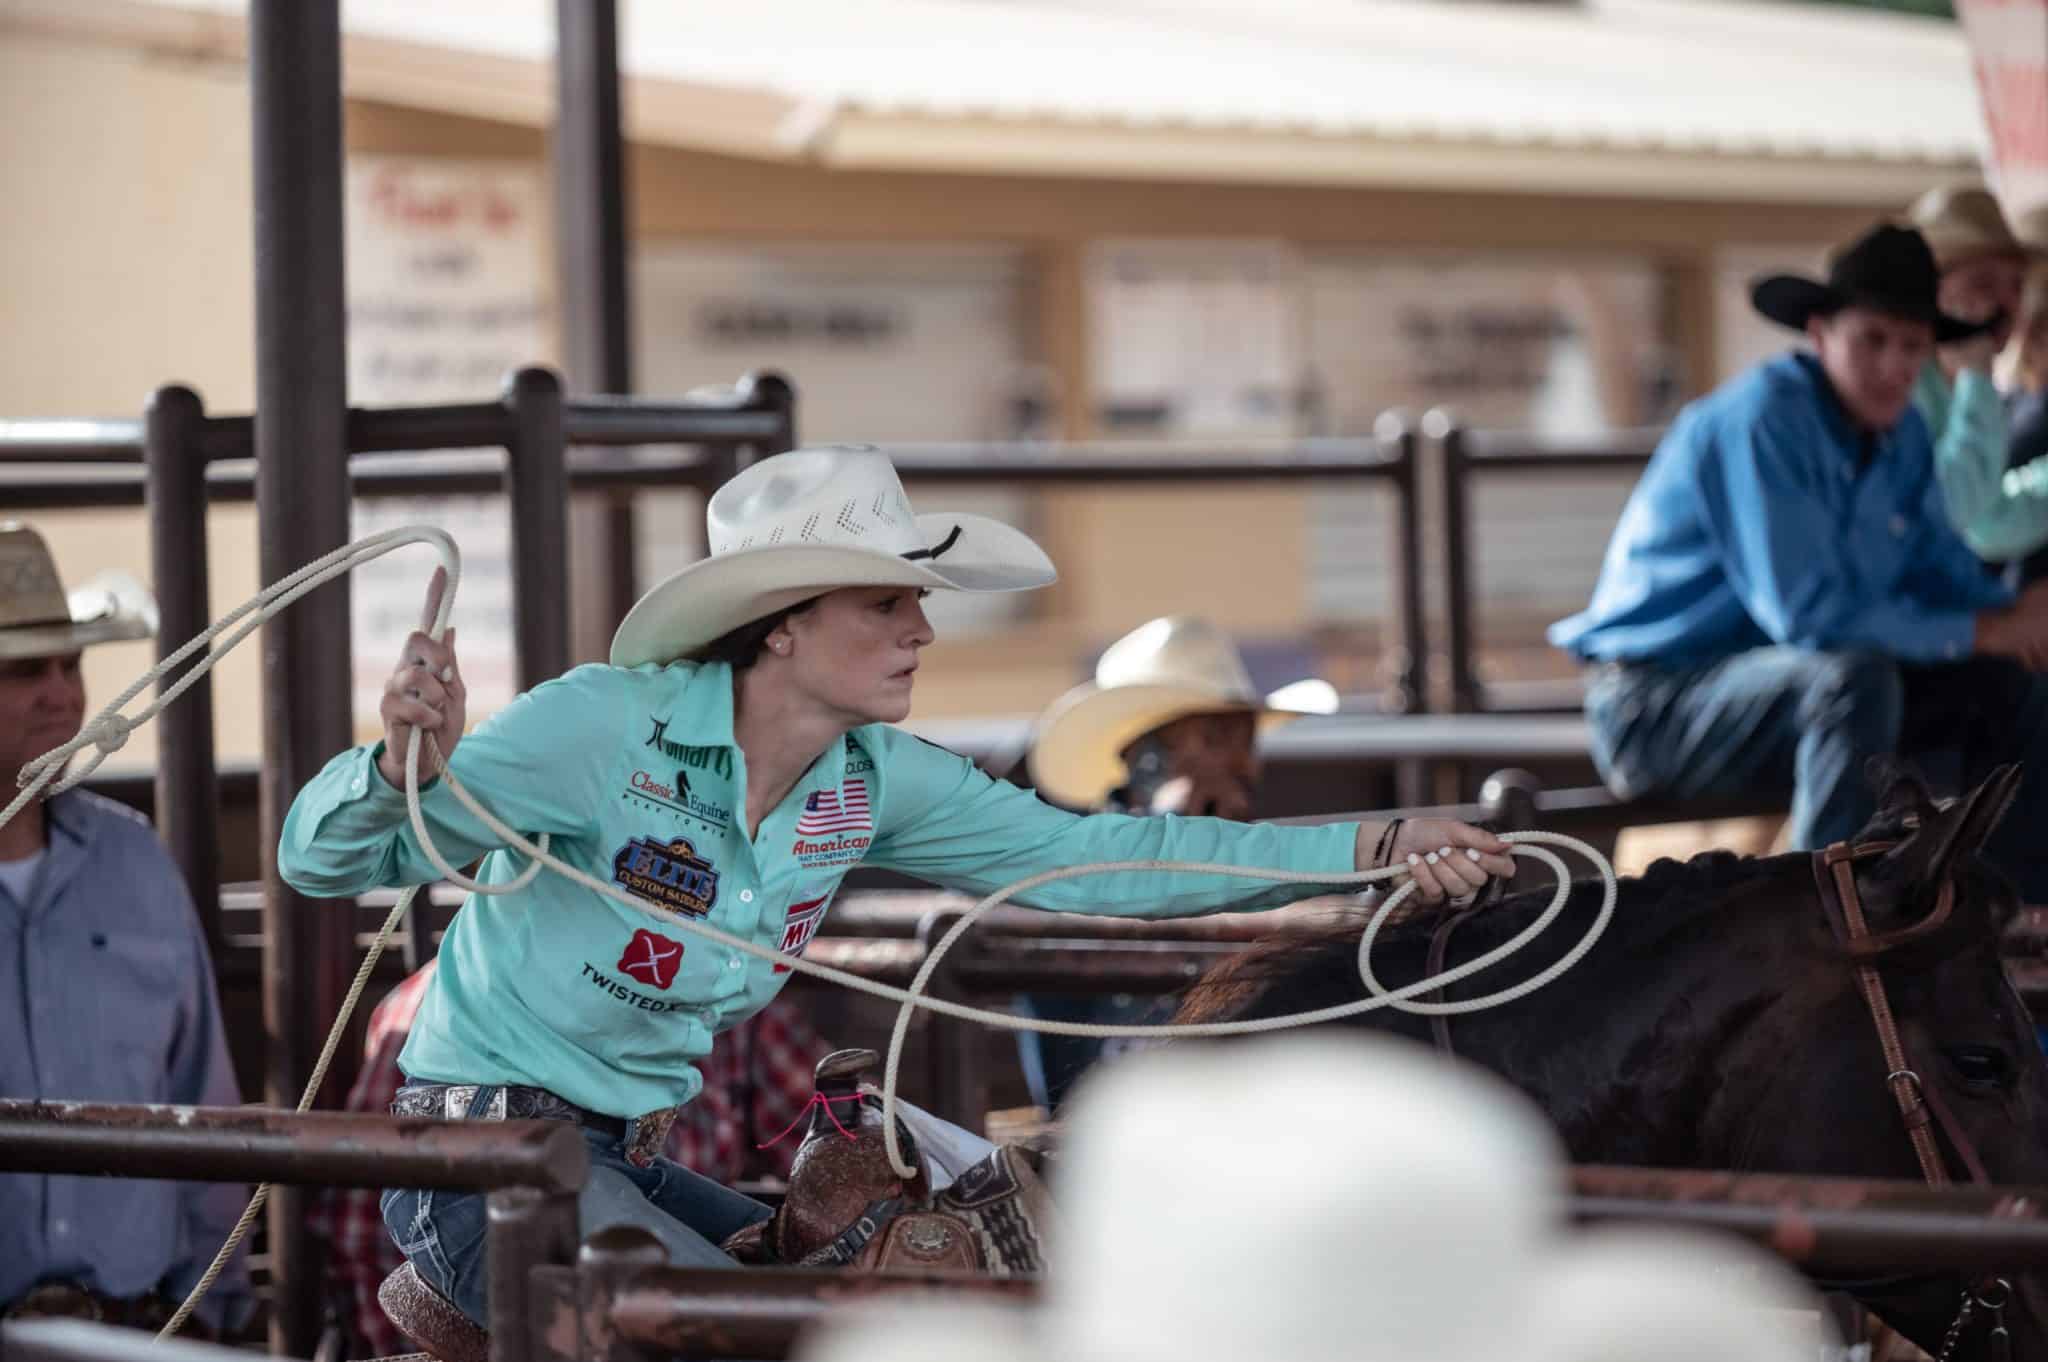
[(2000, 516), (635, 775)]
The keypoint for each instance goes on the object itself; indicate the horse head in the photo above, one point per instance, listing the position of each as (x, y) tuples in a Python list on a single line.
[(1935, 912)]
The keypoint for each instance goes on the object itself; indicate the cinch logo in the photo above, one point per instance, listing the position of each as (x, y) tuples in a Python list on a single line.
[(717, 759), (668, 874), (800, 925), (651, 959)]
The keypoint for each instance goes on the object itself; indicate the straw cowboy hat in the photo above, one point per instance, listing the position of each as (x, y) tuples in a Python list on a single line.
[(1963, 223), (1159, 672), (1338, 1198), (1890, 269), (37, 618), (798, 524)]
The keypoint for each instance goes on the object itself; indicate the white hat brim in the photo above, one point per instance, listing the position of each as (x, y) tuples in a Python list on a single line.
[(55, 640), (111, 608), (718, 594), (1074, 758)]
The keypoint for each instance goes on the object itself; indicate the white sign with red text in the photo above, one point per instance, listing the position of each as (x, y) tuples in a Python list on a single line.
[(446, 295)]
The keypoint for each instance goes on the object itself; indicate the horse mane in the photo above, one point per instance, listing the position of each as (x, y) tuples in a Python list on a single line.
[(1322, 960)]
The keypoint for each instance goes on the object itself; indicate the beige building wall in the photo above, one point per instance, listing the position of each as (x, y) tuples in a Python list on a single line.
[(126, 261)]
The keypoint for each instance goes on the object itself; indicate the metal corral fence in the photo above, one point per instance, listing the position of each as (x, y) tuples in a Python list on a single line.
[(611, 1298)]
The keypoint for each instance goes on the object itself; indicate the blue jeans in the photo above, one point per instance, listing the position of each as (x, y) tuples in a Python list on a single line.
[(442, 1233), (1806, 723)]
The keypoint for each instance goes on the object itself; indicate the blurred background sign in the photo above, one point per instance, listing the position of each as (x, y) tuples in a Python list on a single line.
[(444, 299), (2009, 48)]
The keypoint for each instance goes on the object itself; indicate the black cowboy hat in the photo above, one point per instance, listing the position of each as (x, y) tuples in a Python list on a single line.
[(1889, 269)]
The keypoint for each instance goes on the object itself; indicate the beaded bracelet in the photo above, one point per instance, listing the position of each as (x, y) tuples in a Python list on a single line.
[(1386, 846)]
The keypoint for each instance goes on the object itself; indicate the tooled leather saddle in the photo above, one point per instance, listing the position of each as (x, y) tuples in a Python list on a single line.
[(846, 1207)]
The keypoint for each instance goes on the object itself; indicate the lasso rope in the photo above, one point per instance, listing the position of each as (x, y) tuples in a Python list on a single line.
[(109, 729)]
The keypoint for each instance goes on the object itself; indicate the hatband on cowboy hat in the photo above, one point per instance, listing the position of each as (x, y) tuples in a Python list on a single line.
[(37, 617), (1161, 671), (1964, 223), (798, 524), (1888, 269)]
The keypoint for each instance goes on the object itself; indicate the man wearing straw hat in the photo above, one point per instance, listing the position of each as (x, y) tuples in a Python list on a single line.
[(106, 988), (730, 767), (1784, 597), (1983, 267), (1169, 724)]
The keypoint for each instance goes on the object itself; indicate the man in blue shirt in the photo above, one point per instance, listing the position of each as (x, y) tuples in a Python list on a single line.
[(1785, 598), (106, 989)]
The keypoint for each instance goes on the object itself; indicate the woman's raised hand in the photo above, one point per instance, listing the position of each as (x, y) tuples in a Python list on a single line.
[(425, 692)]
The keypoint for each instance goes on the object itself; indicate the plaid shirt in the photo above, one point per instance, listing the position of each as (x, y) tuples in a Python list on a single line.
[(757, 1080)]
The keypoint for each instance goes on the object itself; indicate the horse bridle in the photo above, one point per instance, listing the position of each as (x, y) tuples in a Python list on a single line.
[(1921, 1108)]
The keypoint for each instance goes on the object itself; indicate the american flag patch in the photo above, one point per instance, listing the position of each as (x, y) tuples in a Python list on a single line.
[(836, 811)]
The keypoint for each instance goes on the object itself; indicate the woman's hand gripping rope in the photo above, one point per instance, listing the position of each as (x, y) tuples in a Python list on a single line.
[(109, 728)]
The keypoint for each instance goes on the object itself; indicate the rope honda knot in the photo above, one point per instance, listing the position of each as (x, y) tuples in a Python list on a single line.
[(109, 732)]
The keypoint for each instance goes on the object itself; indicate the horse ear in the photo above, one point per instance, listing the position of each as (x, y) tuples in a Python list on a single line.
[(1900, 790), (1959, 831)]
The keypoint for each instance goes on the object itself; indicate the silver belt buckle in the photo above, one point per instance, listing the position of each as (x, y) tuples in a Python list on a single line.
[(456, 1098)]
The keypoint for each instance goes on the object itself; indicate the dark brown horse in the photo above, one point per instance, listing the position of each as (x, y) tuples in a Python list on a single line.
[(1718, 1024)]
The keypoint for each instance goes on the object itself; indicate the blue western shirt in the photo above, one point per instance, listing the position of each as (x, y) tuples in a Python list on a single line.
[(1760, 521), (107, 995), (635, 774)]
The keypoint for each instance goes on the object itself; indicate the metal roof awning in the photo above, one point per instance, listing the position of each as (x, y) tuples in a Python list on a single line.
[(1713, 99)]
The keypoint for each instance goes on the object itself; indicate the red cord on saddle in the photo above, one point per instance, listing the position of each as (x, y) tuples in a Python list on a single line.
[(818, 1099)]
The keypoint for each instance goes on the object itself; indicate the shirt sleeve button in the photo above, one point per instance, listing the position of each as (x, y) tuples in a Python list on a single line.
[(746, 896)]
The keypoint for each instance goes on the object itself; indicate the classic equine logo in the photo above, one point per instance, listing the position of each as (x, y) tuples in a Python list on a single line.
[(649, 791), (651, 959), (667, 874), (717, 759), (800, 925)]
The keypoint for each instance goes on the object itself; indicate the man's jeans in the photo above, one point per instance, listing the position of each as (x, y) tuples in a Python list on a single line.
[(442, 1233), (1787, 719)]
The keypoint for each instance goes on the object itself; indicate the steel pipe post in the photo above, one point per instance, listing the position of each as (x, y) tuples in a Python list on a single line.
[(528, 1228), (1410, 651), (590, 235), (187, 786), (302, 494), (1454, 467), (537, 486)]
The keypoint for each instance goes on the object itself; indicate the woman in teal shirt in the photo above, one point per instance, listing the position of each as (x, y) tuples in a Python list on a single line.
[(730, 765)]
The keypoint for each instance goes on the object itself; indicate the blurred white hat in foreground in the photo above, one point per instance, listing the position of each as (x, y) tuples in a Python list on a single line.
[(1339, 1198)]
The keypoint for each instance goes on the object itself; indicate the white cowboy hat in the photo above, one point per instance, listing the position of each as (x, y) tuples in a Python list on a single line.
[(811, 521), (1334, 1197), (1161, 671), (37, 618)]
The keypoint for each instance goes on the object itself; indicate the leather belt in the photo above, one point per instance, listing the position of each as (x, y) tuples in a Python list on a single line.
[(69, 1300), (510, 1102)]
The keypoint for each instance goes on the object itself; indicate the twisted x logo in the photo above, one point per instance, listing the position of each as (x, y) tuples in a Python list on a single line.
[(651, 959)]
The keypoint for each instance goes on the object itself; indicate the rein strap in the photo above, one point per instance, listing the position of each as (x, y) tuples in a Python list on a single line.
[(1835, 872)]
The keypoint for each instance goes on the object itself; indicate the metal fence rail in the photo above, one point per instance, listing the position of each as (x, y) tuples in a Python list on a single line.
[(1463, 455)]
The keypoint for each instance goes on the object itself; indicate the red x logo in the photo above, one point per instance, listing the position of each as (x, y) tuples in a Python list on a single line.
[(651, 959)]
